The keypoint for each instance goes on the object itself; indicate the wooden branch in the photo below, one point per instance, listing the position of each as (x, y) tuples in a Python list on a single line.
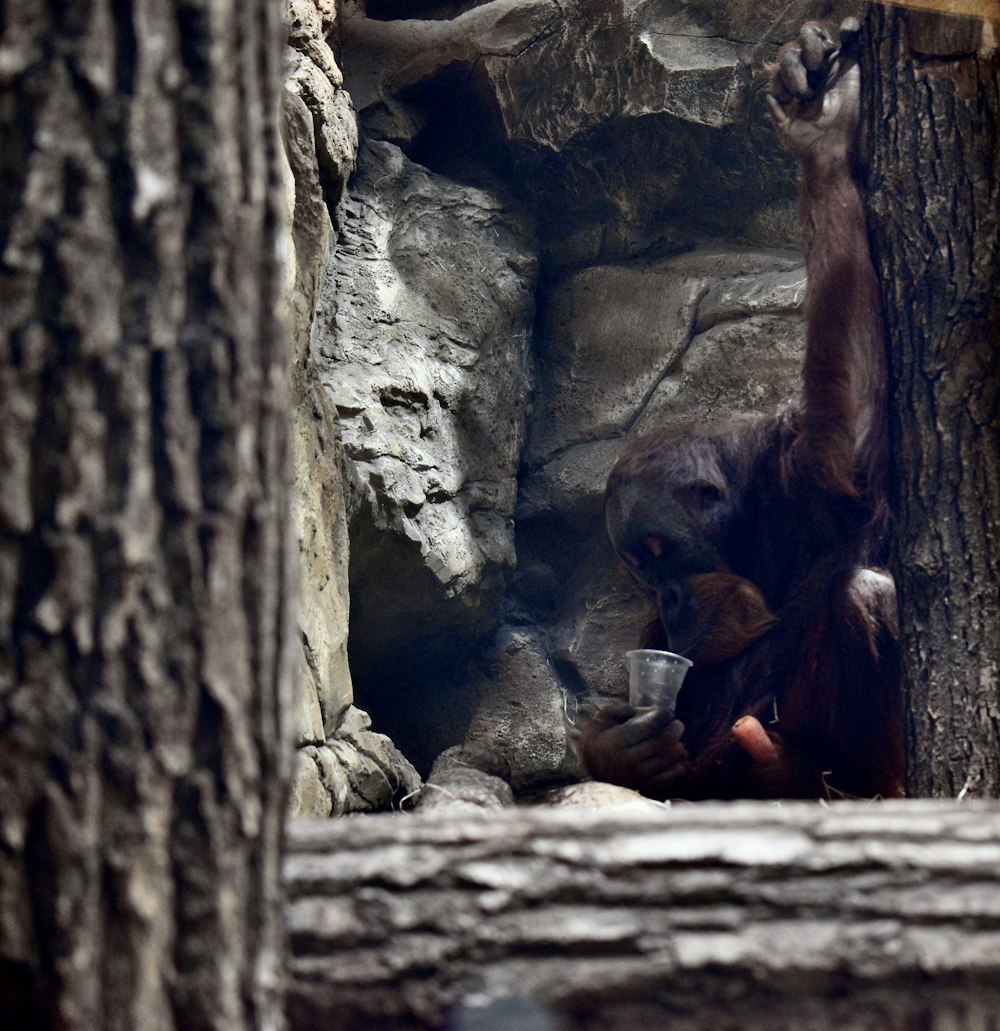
[(796, 916)]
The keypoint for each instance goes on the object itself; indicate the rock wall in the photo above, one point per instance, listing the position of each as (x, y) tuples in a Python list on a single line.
[(569, 222), (423, 344), (342, 765)]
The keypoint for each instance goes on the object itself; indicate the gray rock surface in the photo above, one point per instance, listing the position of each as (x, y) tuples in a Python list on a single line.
[(342, 766), (621, 347), (467, 779), (320, 137), (354, 771), (594, 795), (524, 712), (423, 347), (627, 124)]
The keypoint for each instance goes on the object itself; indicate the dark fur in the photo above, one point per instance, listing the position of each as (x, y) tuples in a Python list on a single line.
[(795, 504)]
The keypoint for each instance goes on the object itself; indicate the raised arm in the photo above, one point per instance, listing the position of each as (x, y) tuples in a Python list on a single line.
[(815, 101)]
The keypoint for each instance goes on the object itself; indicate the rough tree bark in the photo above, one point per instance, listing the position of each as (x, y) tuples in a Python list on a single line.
[(933, 92), (144, 566), (757, 917)]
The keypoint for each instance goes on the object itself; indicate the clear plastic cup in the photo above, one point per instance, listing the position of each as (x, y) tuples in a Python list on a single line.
[(654, 678)]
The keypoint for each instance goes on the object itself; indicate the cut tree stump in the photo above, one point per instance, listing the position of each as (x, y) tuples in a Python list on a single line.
[(871, 916)]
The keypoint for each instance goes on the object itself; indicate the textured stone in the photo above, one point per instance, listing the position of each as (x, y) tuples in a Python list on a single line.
[(423, 348), (335, 128), (327, 12), (355, 771), (318, 509), (465, 779), (625, 125), (709, 335), (734, 371), (313, 113), (525, 714), (604, 621), (673, 69), (571, 482), (308, 23), (343, 766), (606, 337), (593, 795), (386, 56), (309, 798)]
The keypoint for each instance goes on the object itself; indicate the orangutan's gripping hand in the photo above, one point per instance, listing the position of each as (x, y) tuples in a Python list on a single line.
[(776, 772), (640, 752), (815, 92)]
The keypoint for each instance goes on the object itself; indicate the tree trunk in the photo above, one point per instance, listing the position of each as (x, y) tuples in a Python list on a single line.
[(144, 566), (766, 918), (933, 93)]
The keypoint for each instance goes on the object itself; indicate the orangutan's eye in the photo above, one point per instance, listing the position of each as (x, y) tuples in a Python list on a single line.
[(708, 494)]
